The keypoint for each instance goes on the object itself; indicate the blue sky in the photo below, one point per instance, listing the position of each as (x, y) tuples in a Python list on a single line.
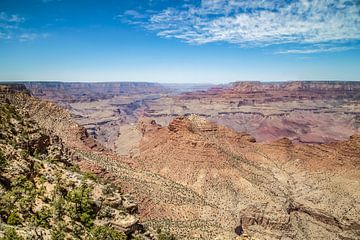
[(208, 41)]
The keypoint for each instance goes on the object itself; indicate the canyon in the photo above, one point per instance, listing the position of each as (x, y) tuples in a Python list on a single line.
[(304, 112), (239, 161)]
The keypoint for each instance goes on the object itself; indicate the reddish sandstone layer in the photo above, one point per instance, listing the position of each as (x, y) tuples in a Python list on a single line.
[(256, 92)]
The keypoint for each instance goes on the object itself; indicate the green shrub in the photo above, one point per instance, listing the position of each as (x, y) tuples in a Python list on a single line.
[(14, 219), (11, 234), (57, 233), (59, 207), (74, 168), (24, 194), (41, 218), (77, 230), (3, 161), (91, 176), (82, 207), (6, 205), (87, 218), (106, 233)]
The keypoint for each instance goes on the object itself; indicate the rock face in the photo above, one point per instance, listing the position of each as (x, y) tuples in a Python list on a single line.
[(278, 190)]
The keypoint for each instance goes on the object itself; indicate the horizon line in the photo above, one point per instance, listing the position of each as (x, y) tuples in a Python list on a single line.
[(169, 83)]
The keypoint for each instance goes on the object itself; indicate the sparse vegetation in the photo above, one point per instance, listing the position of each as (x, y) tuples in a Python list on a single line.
[(57, 232), (14, 219), (3, 161), (89, 175), (41, 218), (11, 234), (102, 232), (162, 235), (81, 207)]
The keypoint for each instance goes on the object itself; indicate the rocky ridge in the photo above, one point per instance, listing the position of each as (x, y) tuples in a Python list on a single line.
[(256, 92), (278, 190)]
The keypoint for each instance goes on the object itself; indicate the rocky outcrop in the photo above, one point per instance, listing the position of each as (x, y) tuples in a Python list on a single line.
[(279, 190)]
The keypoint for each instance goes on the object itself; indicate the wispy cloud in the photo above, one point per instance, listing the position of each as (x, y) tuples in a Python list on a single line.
[(257, 22), (315, 50), (25, 37), (8, 24), (10, 28), (4, 35), (132, 17), (10, 19)]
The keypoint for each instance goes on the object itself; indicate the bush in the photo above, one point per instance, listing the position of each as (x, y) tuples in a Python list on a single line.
[(106, 233), (83, 208), (59, 207), (14, 219), (57, 233), (41, 218), (24, 192), (91, 176), (11, 234), (74, 168)]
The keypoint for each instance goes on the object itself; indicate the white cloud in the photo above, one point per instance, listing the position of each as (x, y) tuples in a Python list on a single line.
[(8, 24), (315, 50), (259, 22), (134, 14), (10, 28), (10, 19), (25, 37), (4, 35)]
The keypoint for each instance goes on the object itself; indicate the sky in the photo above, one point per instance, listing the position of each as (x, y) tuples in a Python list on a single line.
[(173, 41)]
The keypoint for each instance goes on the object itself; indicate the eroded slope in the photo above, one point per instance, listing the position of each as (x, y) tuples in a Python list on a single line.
[(271, 191), (43, 192)]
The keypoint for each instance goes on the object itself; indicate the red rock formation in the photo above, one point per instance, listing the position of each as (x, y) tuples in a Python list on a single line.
[(268, 189), (256, 92)]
